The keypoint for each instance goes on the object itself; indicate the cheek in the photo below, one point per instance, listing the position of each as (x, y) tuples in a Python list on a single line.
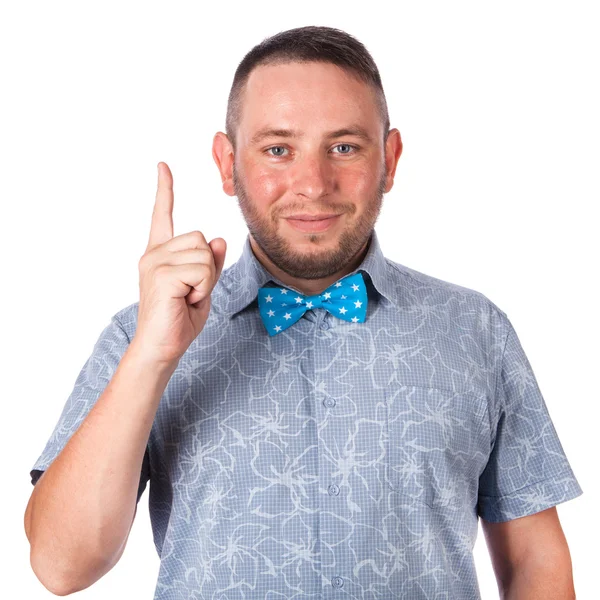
[(265, 186), (357, 183)]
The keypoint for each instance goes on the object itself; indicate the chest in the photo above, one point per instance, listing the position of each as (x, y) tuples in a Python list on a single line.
[(391, 406)]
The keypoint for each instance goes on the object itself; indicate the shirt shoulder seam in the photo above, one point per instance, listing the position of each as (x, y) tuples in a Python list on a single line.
[(499, 370)]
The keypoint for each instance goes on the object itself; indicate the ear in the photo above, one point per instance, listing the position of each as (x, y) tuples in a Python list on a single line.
[(222, 152), (393, 150)]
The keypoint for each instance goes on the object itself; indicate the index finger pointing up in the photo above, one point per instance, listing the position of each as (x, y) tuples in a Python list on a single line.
[(161, 227)]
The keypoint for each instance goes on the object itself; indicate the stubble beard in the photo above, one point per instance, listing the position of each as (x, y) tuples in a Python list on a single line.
[(310, 265)]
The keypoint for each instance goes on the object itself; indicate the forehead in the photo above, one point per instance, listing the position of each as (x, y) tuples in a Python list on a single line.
[(305, 96)]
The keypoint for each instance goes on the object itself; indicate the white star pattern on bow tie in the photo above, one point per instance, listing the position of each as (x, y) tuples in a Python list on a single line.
[(332, 300)]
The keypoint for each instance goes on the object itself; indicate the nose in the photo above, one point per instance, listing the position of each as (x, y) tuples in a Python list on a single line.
[(311, 177)]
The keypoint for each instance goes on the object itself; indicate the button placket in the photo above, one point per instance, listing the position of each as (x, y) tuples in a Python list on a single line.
[(333, 489), (329, 402)]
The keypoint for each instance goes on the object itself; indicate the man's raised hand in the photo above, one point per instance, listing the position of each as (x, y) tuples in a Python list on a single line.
[(177, 276)]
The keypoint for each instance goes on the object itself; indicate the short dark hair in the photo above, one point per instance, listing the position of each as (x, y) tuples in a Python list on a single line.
[(306, 44)]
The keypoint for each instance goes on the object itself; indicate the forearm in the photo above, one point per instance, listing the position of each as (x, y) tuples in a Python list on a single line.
[(550, 581), (81, 510)]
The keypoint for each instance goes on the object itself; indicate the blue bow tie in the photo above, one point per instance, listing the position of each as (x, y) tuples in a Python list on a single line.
[(282, 307)]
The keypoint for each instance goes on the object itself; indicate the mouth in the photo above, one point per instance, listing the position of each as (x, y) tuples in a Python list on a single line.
[(312, 222)]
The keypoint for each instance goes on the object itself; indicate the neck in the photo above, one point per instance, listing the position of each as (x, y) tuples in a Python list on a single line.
[(308, 287)]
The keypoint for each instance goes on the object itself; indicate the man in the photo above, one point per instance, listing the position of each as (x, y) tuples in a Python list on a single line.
[(317, 419)]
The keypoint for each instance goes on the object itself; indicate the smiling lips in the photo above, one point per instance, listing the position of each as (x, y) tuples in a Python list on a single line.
[(306, 222), (308, 217)]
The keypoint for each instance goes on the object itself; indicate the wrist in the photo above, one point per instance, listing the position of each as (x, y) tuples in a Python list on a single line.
[(140, 355)]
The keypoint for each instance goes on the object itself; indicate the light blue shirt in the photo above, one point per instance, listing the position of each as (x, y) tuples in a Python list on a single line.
[(336, 459)]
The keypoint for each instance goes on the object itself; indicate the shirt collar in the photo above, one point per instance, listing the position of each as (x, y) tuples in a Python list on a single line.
[(243, 278)]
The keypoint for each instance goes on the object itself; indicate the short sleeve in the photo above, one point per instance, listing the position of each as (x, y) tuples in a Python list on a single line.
[(93, 378), (527, 470)]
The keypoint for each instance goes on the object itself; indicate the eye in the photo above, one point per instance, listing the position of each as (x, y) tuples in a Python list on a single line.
[(345, 146), (275, 148), (281, 150)]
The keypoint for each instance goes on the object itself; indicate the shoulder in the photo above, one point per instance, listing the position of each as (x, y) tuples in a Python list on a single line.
[(461, 307), (421, 283)]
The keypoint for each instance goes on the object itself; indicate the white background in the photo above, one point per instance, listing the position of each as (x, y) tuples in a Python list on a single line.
[(497, 104)]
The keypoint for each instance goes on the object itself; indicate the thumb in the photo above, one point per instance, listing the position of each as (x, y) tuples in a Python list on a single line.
[(219, 248)]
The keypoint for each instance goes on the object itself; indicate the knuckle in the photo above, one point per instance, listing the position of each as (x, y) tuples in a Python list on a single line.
[(143, 265), (211, 265), (204, 269), (146, 262), (198, 237), (213, 269), (204, 272)]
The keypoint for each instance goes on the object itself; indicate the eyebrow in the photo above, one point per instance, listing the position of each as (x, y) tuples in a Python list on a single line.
[(267, 132)]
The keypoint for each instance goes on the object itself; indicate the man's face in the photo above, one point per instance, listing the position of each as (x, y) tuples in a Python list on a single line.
[(310, 172)]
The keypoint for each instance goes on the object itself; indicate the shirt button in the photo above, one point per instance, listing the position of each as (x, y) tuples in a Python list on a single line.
[(329, 402), (337, 581), (334, 489), (324, 325)]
